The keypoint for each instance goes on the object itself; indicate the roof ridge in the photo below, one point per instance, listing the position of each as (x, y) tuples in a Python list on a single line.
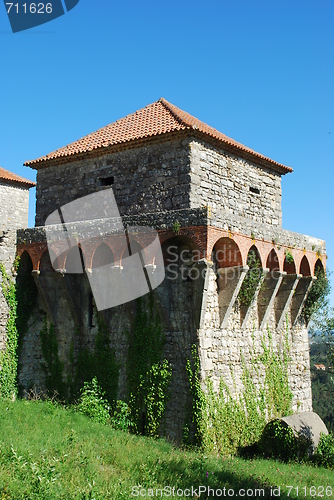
[(171, 108), (155, 119)]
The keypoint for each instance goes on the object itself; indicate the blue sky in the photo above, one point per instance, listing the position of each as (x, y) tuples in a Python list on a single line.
[(259, 71)]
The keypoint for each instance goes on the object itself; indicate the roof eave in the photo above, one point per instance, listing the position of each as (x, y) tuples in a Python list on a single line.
[(231, 148)]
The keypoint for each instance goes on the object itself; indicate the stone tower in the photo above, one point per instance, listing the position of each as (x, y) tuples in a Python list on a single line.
[(14, 204), (213, 202)]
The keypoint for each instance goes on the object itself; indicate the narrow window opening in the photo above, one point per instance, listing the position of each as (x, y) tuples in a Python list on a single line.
[(106, 181), (254, 190)]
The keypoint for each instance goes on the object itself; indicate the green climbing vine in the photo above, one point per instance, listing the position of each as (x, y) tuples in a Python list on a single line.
[(318, 294), (101, 363), (251, 280), (148, 374), (8, 357), (224, 422), (52, 365)]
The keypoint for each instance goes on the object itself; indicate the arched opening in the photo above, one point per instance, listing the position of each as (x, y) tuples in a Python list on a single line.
[(45, 265), (25, 265), (103, 256), (226, 253), (318, 293), (251, 281), (253, 258), (180, 254), (289, 263), (304, 268), (180, 249), (272, 261), (319, 268), (75, 262)]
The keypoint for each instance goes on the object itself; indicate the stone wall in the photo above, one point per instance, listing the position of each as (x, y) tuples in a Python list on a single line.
[(166, 176), (144, 179), (222, 348), (13, 215), (7, 256), (237, 186)]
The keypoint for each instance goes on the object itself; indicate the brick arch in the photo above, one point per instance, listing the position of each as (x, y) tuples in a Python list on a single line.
[(255, 250), (195, 242), (73, 262), (226, 253), (318, 266), (183, 242), (26, 263), (272, 261), (103, 255), (289, 267), (305, 268), (46, 261), (34, 260)]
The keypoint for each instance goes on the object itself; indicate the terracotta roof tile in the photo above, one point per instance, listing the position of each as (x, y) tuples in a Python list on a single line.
[(5, 175), (158, 118)]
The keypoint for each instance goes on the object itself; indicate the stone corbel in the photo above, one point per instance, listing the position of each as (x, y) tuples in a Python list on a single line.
[(299, 297), (267, 294), (229, 283), (265, 271), (284, 297)]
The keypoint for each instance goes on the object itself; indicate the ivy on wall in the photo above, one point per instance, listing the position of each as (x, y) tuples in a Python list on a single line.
[(148, 374), (318, 294), (101, 363), (251, 280), (224, 423), (52, 366), (8, 357)]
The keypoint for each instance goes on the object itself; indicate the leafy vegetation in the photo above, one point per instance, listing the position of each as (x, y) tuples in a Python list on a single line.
[(289, 257), (251, 280), (322, 382), (92, 402), (317, 299), (224, 423), (324, 454), (8, 357), (47, 452), (148, 374), (279, 441)]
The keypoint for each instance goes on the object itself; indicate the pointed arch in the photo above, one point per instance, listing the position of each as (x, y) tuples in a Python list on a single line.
[(75, 262), (304, 267), (45, 263), (272, 261), (318, 267), (289, 266), (103, 256), (253, 256), (26, 265)]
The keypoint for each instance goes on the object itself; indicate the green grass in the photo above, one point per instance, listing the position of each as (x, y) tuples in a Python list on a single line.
[(47, 452)]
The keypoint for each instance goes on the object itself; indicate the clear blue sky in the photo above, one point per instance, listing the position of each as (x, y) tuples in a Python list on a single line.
[(259, 71)]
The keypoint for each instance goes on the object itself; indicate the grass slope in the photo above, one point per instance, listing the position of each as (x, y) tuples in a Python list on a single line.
[(47, 452)]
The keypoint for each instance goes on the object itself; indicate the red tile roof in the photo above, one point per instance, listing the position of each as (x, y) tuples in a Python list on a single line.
[(156, 119), (11, 178)]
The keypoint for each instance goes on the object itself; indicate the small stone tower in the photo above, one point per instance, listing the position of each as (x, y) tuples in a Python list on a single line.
[(14, 204), (214, 202)]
